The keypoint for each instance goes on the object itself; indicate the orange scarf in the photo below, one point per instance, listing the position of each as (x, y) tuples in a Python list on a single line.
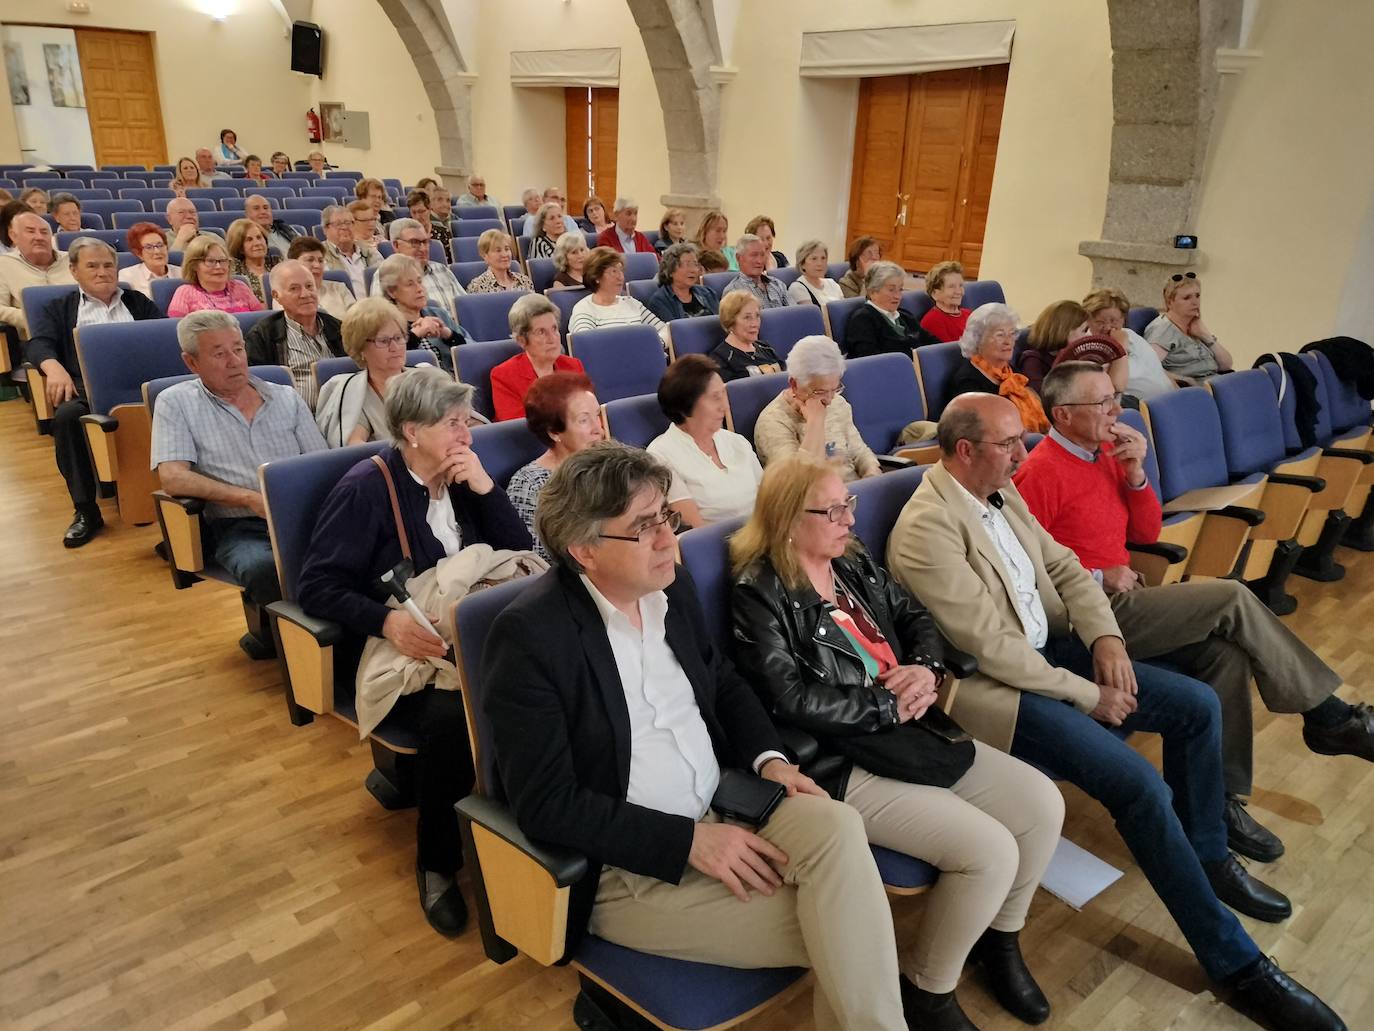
[(1015, 388)]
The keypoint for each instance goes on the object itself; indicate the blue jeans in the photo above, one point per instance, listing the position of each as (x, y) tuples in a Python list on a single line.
[(243, 547), (1171, 825)]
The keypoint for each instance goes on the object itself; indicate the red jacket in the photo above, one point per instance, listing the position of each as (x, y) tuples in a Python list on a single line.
[(610, 238), (514, 376)]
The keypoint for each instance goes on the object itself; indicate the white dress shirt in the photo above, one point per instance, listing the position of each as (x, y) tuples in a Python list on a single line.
[(90, 312), (1018, 566), (442, 520)]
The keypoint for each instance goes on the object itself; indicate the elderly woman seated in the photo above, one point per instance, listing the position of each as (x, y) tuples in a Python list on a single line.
[(417, 204), (715, 472), (561, 410), (446, 501), (205, 267), (712, 234), (680, 294), (813, 286), (335, 298), (881, 326), (812, 417), (742, 353), (837, 647), (1187, 349), (251, 257), (546, 229), (352, 406), (494, 247), (1061, 333), (149, 246), (1145, 376), (569, 259), (429, 325), (672, 228), (863, 252), (604, 276), (945, 284), (534, 326), (987, 345), (373, 192)]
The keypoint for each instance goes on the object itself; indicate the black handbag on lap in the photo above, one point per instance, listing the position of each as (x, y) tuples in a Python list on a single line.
[(933, 750)]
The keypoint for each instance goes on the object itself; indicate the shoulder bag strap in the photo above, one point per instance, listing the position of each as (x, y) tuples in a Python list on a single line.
[(395, 506)]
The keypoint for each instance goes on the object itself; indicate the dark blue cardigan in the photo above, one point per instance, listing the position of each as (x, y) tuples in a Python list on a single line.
[(355, 540), (665, 304)]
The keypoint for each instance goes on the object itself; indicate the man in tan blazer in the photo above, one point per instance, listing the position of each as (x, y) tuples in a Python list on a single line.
[(1054, 675)]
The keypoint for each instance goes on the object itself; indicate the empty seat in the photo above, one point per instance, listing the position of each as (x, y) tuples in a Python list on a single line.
[(781, 328), (107, 208), (487, 316), (474, 361), (477, 226), (478, 211), (152, 200), (635, 420), (465, 250), (883, 393), (127, 219), (700, 334), (935, 365), (640, 266), (748, 397), (881, 500), (116, 238), (983, 291), (85, 195), (313, 203), (621, 361), (466, 271), (504, 447)]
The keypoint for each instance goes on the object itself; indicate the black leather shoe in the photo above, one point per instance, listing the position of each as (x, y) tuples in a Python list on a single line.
[(1246, 836), (1274, 1000), (1245, 894), (1011, 982), (926, 1011), (442, 902), (85, 526), (256, 648), (1354, 736)]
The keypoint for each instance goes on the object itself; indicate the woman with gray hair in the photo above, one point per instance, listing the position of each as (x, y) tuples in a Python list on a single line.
[(546, 229), (569, 258), (813, 286), (811, 416), (428, 325), (533, 323), (424, 497), (679, 294), (987, 345), (881, 326)]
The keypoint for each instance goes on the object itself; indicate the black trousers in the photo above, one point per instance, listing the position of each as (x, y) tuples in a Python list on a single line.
[(443, 775), (73, 452)]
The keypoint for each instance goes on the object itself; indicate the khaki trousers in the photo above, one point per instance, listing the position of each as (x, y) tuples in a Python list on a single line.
[(1218, 632), (830, 914), (991, 835)]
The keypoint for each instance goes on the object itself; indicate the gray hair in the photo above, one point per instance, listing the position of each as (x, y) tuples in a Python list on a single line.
[(391, 271), (525, 310), (569, 241), (422, 396), (330, 211), (399, 226), (672, 258), (621, 203), (589, 487), (58, 199), (808, 248), (190, 328), (880, 273), (529, 192), (542, 214), (985, 318), (1060, 382), (84, 243), (813, 357), (747, 240), (958, 422)]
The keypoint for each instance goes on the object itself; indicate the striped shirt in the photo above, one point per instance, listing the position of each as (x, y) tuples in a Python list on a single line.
[(626, 311), (302, 350), (91, 312)]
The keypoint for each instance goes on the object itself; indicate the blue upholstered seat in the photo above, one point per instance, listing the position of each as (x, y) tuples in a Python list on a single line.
[(883, 393), (936, 364), (621, 361), (635, 420), (750, 396), (487, 316), (781, 328), (474, 362)]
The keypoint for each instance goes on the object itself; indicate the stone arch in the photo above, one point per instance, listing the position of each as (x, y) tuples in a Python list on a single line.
[(425, 29)]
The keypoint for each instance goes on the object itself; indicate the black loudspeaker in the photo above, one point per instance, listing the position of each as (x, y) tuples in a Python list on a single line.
[(307, 48)]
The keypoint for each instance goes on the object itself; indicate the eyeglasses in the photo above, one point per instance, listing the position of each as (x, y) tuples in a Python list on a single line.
[(386, 343), (1179, 277), (836, 392), (214, 262), (1008, 445), (154, 246), (836, 512), (341, 224), (668, 518), (411, 241), (1104, 405)]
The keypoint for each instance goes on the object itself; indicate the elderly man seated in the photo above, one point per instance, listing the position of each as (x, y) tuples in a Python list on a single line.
[(477, 194), (532, 199), (551, 195), (299, 334), (52, 349), (209, 437), (183, 222), (205, 162), (752, 256), (622, 234), (1086, 485), (258, 210), (411, 238), (34, 261), (1054, 675), (665, 873), (343, 253)]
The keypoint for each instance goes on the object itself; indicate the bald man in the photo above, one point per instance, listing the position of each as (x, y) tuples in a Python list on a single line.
[(184, 223), (299, 334), (34, 261)]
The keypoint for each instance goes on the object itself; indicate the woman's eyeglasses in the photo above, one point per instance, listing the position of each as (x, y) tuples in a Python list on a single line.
[(385, 343), (836, 512)]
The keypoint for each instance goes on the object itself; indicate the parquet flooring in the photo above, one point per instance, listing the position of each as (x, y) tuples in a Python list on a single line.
[(175, 855)]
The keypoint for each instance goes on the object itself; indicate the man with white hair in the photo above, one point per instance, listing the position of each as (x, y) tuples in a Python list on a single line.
[(34, 261), (183, 222), (52, 349), (477, 194), (532, 200), (298, 334), (210, 435), (258, 209), (411, 238), (622, 235), (751, 253), (205, 162)]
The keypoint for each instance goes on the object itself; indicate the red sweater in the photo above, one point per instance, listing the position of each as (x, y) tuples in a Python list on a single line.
[(945, 327), (608, 237), (1087, 506), (514, 376)]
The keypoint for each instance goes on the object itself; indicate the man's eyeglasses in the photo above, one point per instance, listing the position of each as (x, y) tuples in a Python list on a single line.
[(668, 517), (836, 512), (1104, 405), (411, 241), (1179, 277), (341, 224), (1008, 445)]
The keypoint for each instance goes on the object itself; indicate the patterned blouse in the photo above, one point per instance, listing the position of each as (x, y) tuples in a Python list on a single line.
[(238, 267), (523, 491), (486, 283)]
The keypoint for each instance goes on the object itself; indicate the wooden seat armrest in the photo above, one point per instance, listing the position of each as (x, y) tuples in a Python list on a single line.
[(183, 531), (920, 454), (563, 865)]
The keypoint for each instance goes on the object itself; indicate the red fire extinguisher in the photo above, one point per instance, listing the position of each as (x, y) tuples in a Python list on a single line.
[(312, 126)]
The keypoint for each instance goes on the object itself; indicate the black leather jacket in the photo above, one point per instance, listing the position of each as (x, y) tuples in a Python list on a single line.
[(801, 663)]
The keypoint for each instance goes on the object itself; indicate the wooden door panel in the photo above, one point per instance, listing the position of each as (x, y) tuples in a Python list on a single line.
[(879, 138), (605, 142), (576, 132), (936, 133), (982, 163), (122, 98)]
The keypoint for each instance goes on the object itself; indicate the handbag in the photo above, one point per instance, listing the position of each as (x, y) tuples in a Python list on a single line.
[(933, 750)]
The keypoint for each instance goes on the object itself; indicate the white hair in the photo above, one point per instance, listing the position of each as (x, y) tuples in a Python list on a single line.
[(880, 273), (190, 328), (814, 357), (621, 203), (400, 225), (985, 318)]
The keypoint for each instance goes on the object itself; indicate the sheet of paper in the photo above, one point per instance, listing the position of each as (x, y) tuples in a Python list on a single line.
[(1076, 876), (1207, 499)]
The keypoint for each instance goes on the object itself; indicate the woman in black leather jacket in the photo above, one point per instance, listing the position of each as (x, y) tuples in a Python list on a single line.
[(838, 648)]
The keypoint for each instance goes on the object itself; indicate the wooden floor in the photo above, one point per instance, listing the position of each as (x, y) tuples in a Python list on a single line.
[(174, 854)]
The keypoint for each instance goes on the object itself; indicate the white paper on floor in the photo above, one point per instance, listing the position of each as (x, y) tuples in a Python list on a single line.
[(1076, 876)]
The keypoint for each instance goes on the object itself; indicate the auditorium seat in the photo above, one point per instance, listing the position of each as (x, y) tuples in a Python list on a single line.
[(32, 299), (621, 361), (217, 194), (837, 270), (917, 303), (504, 447), (983, 291), (883, 393), (717, 281), (700, 334), (465, 250), (106, 208), (325, 369), (487, 212), (83, 195), (1165, 560), (640, 266), (466, 271), (748, 397), (565, 301), (641, 290), (781, 328), (935, 367), (1138, 318), (476, 226), (474, 362), (487, 316), (837, 314), (152, 200), (786, 276), (116, 238), (634, 420)]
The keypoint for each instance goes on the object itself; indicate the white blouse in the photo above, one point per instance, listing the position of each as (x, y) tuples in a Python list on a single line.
[(720, 493), (803, 292), (442, 520)]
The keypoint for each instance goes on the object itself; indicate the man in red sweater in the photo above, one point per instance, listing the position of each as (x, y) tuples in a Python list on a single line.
[(1086, 485), (623, 235)]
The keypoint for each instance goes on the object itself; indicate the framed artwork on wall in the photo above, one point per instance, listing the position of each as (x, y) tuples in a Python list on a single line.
[(64, 75)]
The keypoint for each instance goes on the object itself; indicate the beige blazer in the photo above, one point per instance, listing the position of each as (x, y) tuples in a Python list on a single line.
[(939, 550)]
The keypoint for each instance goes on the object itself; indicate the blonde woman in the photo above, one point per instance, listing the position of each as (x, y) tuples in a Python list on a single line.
[(712, 234), (352, 407), (205, 267), (495, 248)]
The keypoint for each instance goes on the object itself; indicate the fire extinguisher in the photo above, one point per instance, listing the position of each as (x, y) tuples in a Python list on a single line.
[(312, 126)]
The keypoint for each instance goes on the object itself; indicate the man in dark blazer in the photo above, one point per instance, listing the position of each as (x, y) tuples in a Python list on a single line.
[(611, 737), (300, 334), (97, 299)]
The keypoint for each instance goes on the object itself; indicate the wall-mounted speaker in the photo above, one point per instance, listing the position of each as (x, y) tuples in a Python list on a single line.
[(307, 48)]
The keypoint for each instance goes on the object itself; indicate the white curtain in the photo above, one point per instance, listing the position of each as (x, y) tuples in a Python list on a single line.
[(565, 67), (905, 49)]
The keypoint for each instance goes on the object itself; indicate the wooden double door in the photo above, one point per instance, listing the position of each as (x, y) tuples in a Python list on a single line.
[(122, 99), (593, 126), (925, 147)]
